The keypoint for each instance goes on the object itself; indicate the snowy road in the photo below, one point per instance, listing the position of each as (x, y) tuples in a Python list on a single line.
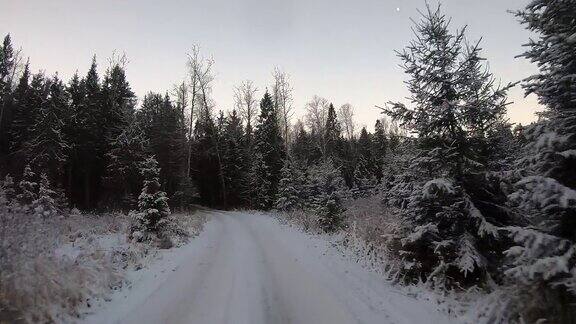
[(248, 268)]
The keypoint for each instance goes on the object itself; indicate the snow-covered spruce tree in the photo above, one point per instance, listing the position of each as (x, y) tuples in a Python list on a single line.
[(325, 187), (45, 205), (28, 189), (48, 148), (153, 210), (542, 263), (454, 101), (291, 189), (270, 151), (234, 162)]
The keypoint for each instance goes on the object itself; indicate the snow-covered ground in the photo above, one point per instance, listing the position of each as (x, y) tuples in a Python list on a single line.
[(249, 268)]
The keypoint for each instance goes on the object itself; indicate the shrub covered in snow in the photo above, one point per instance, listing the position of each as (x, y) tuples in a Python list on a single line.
[(28, 188), (46, 204)]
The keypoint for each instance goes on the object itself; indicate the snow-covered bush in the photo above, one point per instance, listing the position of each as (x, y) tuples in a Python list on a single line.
[(45, 205), (373, 232), (7, 193), (28, 189)]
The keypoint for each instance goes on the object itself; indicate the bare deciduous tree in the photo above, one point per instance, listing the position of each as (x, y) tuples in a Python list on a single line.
[(246, 103), (316, 114), (200, 83), (282, 96), (200, 79), (346, 116), (181, 92)]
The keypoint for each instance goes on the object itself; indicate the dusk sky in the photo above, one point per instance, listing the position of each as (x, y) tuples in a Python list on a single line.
[(340, 50)]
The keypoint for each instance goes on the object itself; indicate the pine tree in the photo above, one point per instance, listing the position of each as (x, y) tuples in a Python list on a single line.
[(152, 204), (270, 146), (454, 102)]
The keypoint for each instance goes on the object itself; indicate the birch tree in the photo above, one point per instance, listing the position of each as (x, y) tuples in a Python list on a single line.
[(282, 97)]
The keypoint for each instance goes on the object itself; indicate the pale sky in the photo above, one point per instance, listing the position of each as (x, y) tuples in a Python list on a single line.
[(339, 49)]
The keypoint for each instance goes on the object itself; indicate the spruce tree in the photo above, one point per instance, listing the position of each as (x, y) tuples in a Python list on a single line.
[(291, 188), (48, 148), (542, 263), (91, 139), (448, 237), (365, 172), (152, 204), (7, 72), (127, 153), (380, 147), (234, 164), (206, 166), (24, 112), (304, 149), (270, 147), (332, 135), (118, 102), (325, 187), (75, 135)]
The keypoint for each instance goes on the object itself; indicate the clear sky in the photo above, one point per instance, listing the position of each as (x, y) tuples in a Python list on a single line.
[(342, 50)]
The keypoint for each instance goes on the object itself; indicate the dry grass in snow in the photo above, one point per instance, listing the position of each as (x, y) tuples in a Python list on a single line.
[(52, 268)]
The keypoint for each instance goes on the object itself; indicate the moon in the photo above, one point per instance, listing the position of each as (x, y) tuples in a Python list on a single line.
[(397, 9)]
